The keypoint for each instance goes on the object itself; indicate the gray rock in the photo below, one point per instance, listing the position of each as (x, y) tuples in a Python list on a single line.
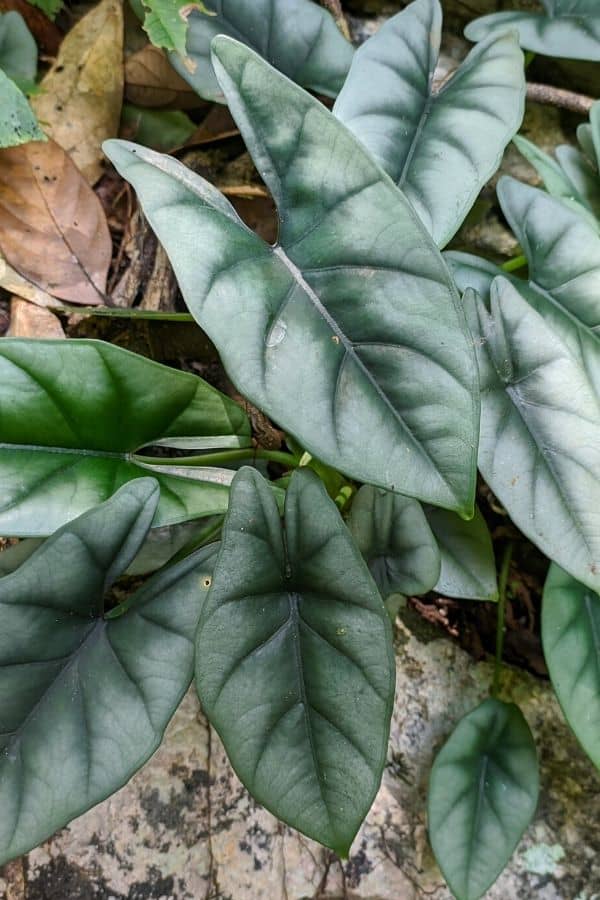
[(185, 829)]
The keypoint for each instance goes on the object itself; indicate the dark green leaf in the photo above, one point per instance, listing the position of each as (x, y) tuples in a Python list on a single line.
[(294, 659), (468, 567), (392, 534), (483, 792), (18, 125), (86, 696), (439, 146), (570, 635), (161, 129), (539, 447), (18, 49), (75, 412), (570, 28), (311, 330), (50, 7)]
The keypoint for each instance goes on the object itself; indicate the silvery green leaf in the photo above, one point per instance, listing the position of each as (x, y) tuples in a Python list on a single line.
[(439, 146)]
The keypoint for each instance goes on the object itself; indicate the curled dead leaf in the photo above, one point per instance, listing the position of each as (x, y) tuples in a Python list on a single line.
[(80, 103), (150, 80), (30, 321), (53, 230)]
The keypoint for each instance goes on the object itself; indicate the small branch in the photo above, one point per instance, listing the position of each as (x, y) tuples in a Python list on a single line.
[(553, 96), (335, 8), (501, 615)]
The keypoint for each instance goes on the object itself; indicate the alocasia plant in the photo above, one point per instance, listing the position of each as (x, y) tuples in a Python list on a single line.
[(567, 28), (298, 37), (294, 659), (87, 690), (18, 49), (312, 329), (74, 415), (420, 134)]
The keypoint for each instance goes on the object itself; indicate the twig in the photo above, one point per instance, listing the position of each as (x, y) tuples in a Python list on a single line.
[(335, 8), (553, 96)]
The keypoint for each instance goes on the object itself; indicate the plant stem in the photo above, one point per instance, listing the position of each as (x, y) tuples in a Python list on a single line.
[(559, 97), (223, 457), (501, 613), (511, 265), (113, 312)]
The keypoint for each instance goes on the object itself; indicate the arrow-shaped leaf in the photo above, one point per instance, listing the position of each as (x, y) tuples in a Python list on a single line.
[(483, 792), (86, 695), (539, 444), (570, 636), (418, 134), (569, 28), (74, 413), (392, 534), (313, 330), (294, 660)]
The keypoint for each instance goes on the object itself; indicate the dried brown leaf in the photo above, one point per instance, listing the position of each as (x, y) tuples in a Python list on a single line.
[(80, 103), (30, 321), (150, 80), (53, 229)]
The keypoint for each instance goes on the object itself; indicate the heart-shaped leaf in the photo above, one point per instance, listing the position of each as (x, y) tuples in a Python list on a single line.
[(570, 630), (539, 447), (468, 567), (418, 134), (392, 534), (312, 330), (18, 49), (570, 28), (294, 659), (73, 415), (570, 177), (483, 792), (85, 695), (18, 125), (298, 37)]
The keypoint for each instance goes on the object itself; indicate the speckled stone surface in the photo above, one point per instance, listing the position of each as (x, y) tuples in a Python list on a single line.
[(185, 829)]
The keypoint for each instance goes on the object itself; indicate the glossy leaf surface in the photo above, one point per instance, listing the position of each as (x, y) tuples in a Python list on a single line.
[(570, 629), (86, 696), (468, 567), (539, 447), (348, 332), (294, 659), (439, 146), (73, 415), (570, 28), (483, 792), (392, 534), (298, 37)]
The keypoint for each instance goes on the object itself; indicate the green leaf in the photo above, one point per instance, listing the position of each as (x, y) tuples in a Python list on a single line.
[(294, 659), (311, 329), (18, 49), (588, 135), (50, 7), (86, 695), (74, 413), (539, 447), (570, 28), (161, 129), (392, 534), (570, 629), (439, 146), (298, 37), (483, 792), (18, 125), (571, 178), (468, 567), (166, 22)]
